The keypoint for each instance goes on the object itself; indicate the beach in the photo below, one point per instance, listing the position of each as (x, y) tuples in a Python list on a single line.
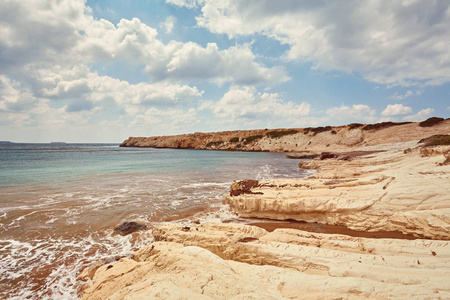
[(61, 203), (398, 192)]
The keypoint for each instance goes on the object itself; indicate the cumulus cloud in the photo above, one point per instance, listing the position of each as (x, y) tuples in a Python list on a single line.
[(388, 42), (396, 109), (355, 113), (40, 31), (171, 118), (135, 42), (246, 103), (65, 34), (236, 64), (420, 116), (79, 83), (184, 3), (168, 24), (408, 93)]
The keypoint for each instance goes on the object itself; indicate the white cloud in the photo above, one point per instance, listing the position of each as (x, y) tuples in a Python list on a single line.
[(356, 113), (64, 35), (80, 83), (168, 24), (137, 43), (236, 64), (389, 42), (171, 118), (420, 116), (396, 109), (184, 3), (245, 103), (407, 94)]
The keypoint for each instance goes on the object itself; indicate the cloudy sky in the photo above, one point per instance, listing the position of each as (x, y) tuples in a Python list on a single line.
[(100, 71)]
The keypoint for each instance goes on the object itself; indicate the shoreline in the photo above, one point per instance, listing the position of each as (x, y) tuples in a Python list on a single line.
[(396, 196)]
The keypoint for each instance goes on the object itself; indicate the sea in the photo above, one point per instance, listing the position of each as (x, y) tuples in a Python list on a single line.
[(59, 204)]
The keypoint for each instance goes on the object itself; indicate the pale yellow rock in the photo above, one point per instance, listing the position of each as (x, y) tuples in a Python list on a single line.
[(284, 264), (386, 191)]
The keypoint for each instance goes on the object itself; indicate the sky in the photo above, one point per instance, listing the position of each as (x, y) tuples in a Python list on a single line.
[(101, 71)]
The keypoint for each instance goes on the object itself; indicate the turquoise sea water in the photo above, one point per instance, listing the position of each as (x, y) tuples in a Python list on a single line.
[(60, 202)]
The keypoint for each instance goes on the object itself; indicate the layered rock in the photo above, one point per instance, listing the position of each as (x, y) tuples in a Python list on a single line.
[(230, 261), (394, 190), (298, 139)]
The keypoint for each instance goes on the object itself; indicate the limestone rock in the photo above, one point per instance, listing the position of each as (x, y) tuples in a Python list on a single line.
[(284, 264), (385, 191)]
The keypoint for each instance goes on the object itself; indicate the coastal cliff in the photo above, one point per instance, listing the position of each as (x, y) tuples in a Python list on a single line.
[(298, 139), (395, 182)]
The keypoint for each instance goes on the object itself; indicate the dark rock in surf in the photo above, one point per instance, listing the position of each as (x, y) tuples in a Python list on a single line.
[(244, 187), (129, 227)]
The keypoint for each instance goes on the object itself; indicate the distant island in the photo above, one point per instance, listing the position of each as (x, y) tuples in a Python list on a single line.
[(5, 142)]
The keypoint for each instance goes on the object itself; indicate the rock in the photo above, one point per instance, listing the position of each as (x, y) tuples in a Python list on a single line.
[(302, 155), (327, 155), (129, 227), (243, 187), (185, 265), (386, 191)]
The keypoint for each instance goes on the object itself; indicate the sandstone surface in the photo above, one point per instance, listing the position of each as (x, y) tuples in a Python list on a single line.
[(232, 261), (399, 189)]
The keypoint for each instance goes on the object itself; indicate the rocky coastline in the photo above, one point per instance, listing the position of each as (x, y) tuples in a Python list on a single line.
[(388, 178), (317, 139)]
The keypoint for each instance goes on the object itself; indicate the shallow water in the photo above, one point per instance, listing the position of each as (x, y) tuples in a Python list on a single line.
[(60, 203)]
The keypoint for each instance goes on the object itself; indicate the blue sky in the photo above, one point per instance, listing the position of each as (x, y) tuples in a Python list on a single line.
[(101, 71)]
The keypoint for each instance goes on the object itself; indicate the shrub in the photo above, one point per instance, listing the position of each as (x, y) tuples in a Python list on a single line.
[(431, 122), (276, 134), (333, 132), (316, 130), (382, 125), (234, 139), (354, 125), (436, 140), (252, 138), (215, 143), (320, 129)]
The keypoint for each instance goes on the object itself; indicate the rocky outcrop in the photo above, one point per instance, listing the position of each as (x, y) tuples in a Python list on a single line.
[(299, 139), (231, 261), (394, 190)]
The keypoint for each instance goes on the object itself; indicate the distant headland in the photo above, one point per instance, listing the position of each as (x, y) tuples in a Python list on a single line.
[(298, 139)]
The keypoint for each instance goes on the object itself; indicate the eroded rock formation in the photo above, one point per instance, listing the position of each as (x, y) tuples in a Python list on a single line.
[(231, 261), (395, 190)]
